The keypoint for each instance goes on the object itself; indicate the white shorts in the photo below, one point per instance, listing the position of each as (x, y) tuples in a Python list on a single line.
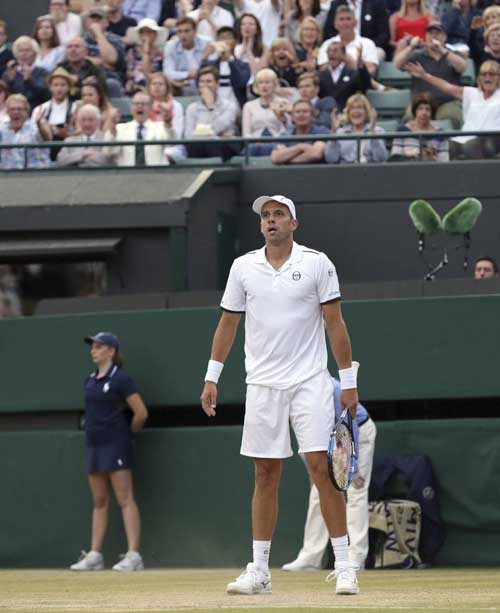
[(269, 412)]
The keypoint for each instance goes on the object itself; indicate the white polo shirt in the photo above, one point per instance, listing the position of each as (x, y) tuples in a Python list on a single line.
[(284, 332)]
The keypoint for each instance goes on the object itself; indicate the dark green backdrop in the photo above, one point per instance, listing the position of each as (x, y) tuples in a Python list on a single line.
[(193, 487), (408, 349), (194, 491)]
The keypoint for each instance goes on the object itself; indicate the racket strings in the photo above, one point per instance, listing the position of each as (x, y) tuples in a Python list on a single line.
[(342, 455)]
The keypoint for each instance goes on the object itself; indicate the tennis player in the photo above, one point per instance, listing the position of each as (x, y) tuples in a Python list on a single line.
[(315, 530), (289, 293), (109, 390)]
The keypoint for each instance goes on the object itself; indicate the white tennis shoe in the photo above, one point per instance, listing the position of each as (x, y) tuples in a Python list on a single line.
[(347, 582), (92, 560), (251, 581), (129, 562)]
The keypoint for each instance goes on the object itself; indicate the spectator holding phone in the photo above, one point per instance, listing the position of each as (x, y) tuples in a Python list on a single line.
[(56, 114), (114, 411), (438, 61), (234, 74), (267, 115)]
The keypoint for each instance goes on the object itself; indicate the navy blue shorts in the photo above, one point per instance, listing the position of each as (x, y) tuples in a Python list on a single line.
[(110, 456)]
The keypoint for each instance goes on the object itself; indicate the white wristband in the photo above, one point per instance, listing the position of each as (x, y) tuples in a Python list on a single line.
[(347, 378), (213, 371)]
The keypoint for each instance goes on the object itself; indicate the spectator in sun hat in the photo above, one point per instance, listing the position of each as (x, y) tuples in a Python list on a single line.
[(56, 114), (114, 410), (145, 54)]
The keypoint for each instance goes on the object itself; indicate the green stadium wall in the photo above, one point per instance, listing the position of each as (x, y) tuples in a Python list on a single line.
[(194, 492), (193, 487), (409, 349)]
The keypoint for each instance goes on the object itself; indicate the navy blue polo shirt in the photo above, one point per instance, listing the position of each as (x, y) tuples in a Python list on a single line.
[(106, 413)]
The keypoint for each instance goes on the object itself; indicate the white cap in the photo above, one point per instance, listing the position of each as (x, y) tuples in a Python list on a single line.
[(261, 201)]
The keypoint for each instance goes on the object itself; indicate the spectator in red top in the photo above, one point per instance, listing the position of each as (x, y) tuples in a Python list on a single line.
[(410, 21)]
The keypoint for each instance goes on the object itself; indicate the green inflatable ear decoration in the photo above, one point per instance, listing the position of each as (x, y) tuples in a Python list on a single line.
[(462, 217), (424, 217)]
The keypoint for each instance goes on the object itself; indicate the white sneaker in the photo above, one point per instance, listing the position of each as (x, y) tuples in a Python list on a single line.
[(92, 560), (251, 581), (299, 566), (129, 562), (347, 582)]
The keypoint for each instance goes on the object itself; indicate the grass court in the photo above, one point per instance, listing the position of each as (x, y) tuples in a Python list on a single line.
[(203, 590)]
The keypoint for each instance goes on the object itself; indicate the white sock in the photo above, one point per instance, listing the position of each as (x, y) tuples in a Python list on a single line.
[(261, 551), (340, 546)]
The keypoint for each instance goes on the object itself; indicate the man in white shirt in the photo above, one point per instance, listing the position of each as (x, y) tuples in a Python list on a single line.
[(268, 12), (357, 47), (141, 129), (210, 17), (289, 294), (68, 24)]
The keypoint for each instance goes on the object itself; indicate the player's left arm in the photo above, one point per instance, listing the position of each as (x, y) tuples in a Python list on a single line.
[(340, 344)]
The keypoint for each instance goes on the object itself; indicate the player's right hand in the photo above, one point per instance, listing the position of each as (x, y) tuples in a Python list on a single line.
[(209, 398)]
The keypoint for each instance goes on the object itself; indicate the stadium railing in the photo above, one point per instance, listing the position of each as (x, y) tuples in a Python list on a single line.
[(244, 158)]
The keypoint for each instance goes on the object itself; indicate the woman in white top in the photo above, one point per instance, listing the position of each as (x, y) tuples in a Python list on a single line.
[(250, 47), (267, 115), (51, 52), (481, 108)]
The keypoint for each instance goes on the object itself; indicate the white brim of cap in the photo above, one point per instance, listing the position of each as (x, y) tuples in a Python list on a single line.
[(261, 201)]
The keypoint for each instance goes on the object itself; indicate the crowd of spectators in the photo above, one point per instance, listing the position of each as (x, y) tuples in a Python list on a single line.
[(246, 64), (135, 73)]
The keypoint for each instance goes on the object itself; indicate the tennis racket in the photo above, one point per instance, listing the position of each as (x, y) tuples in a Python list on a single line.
[(341, 452)]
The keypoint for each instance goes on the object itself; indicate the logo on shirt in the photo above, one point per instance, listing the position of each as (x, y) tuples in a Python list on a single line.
[(296, 276), (330, 272), (105, 387)]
